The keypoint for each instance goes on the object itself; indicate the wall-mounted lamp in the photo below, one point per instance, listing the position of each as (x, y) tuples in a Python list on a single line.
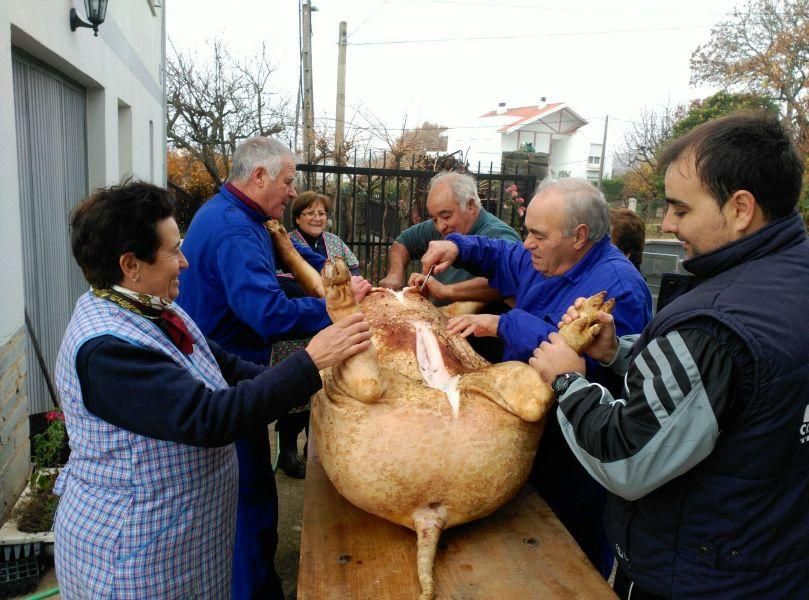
[(96, 12)]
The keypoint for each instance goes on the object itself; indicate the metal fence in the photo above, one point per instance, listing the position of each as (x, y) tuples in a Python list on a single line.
[(374, 200)]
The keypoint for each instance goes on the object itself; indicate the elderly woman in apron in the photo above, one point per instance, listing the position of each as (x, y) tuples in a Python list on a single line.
[(148, 497)]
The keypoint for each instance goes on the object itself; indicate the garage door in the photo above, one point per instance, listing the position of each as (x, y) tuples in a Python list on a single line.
[(50, 114)]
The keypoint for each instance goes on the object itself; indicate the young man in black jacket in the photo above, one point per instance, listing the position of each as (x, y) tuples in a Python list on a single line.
[(707, 453)]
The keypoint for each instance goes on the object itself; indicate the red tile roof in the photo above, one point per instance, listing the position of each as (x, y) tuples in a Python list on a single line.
[(523, 113)]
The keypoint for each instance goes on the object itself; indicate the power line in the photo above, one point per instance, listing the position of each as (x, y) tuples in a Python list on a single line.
[(529, 37), (589, 10), (446, 127), (372, 13), (569, 9)]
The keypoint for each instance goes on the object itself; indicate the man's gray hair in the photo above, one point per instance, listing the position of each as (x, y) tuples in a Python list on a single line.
[(584, 204), (255, 152), (463, 186)]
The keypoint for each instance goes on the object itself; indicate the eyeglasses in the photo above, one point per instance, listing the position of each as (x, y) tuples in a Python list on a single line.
[(310, 214)]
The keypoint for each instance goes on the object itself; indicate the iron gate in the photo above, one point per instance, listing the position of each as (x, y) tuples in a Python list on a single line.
[(373, 204)]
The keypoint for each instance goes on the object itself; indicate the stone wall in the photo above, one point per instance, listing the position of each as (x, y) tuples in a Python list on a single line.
[(525, 163), (15, 459)]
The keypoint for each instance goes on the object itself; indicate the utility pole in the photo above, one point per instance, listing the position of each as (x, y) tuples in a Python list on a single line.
[(308, 100), (603, 151), (299, 99), (340, 112)]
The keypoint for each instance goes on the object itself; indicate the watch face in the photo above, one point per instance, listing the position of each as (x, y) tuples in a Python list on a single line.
[(562, 382)]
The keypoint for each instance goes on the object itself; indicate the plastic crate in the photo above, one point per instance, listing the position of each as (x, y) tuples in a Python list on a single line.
[(21, 566)]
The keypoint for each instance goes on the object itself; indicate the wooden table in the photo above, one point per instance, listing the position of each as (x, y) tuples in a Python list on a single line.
[(521, 551)]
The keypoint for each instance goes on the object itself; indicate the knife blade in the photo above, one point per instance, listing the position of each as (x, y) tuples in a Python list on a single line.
[(423, 283)]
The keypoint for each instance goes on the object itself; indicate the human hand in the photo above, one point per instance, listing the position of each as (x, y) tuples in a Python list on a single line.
[(360, 286), (477, 325), (440, 254), (433, 289), (554, 357), (339, 341), (392, 281), (605, 344)]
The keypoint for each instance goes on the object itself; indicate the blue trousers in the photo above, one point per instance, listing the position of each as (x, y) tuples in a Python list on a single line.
[(254, 575)]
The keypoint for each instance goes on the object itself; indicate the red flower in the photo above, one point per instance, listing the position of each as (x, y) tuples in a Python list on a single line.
[(55, 415)]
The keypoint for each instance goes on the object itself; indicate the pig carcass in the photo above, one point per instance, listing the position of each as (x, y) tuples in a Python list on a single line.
[(419, 429)]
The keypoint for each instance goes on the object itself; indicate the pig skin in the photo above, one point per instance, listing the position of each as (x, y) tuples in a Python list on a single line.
[(399, 451)]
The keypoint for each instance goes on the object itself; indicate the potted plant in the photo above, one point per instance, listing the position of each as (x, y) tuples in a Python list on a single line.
[(49, 451)]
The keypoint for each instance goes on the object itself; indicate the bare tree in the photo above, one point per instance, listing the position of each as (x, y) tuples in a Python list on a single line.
[(427, 137), (216, 102), (642, 143), (762, 48), (647, 135), (397, 145)]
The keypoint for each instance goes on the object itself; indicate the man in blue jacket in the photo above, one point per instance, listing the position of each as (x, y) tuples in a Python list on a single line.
[(232, 293), (566, 254), (706, 453)]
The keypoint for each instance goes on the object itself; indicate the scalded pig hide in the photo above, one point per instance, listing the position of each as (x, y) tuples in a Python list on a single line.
[(444, 438)]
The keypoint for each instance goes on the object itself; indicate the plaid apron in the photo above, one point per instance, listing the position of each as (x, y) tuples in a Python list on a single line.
[(139, 517)]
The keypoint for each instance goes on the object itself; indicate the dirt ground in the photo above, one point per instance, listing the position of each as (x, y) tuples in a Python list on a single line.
[(290, 517)]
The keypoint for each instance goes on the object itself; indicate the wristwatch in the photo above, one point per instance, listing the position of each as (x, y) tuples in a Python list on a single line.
[(563, 381)]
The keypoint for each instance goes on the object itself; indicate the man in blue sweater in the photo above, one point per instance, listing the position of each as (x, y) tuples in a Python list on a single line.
[(231, 291), (706, 450), (566, 254)]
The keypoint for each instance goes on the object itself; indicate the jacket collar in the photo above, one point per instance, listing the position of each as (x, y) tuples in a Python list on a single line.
[(244, 202), (775, 236), (593, 256)]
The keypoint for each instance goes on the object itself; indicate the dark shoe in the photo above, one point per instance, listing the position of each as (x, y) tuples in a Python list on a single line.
[(291, 463)]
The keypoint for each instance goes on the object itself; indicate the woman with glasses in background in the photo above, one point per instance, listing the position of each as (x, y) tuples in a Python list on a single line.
[(310, 214), (310, 211)]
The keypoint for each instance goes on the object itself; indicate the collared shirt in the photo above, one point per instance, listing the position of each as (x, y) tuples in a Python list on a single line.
[(417, 237)]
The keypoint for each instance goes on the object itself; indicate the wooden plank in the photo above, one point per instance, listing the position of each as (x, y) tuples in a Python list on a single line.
[(520, 551)]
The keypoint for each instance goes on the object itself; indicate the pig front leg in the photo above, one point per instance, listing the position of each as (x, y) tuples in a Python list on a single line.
[(305, 274), (358, 376)]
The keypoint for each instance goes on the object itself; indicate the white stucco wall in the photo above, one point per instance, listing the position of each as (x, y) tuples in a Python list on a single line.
[(570, 153), (482, 143), (122, 65)]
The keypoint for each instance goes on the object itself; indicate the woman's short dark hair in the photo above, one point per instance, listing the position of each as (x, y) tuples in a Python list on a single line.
[(744, 151), (113, 221), (306, 199), (628, 233)]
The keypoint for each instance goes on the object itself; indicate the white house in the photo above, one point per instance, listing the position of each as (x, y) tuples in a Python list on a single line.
[(78, 112), (554, 129)]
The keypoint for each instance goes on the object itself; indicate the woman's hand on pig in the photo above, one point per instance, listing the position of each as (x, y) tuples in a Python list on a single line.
[(339, 341)]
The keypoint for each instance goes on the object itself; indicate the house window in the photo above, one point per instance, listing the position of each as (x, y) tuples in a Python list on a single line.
[(594, 161)]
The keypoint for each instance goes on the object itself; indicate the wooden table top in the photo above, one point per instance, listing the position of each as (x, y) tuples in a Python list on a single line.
[(519, 551)]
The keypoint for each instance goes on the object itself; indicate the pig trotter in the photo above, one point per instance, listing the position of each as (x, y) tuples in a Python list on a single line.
[(428, 523)]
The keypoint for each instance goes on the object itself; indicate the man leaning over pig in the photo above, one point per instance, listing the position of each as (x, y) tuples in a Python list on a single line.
[(566, 254)]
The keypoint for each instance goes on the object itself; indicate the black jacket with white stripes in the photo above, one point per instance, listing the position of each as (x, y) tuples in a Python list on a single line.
[(708, 470)]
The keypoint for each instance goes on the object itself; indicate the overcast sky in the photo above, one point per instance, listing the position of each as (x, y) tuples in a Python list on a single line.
[(448, 61)]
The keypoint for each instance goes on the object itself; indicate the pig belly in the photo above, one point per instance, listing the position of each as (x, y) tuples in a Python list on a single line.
[(408, 451)]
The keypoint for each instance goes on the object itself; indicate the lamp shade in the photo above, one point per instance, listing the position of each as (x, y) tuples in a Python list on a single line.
[(96, 11)]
